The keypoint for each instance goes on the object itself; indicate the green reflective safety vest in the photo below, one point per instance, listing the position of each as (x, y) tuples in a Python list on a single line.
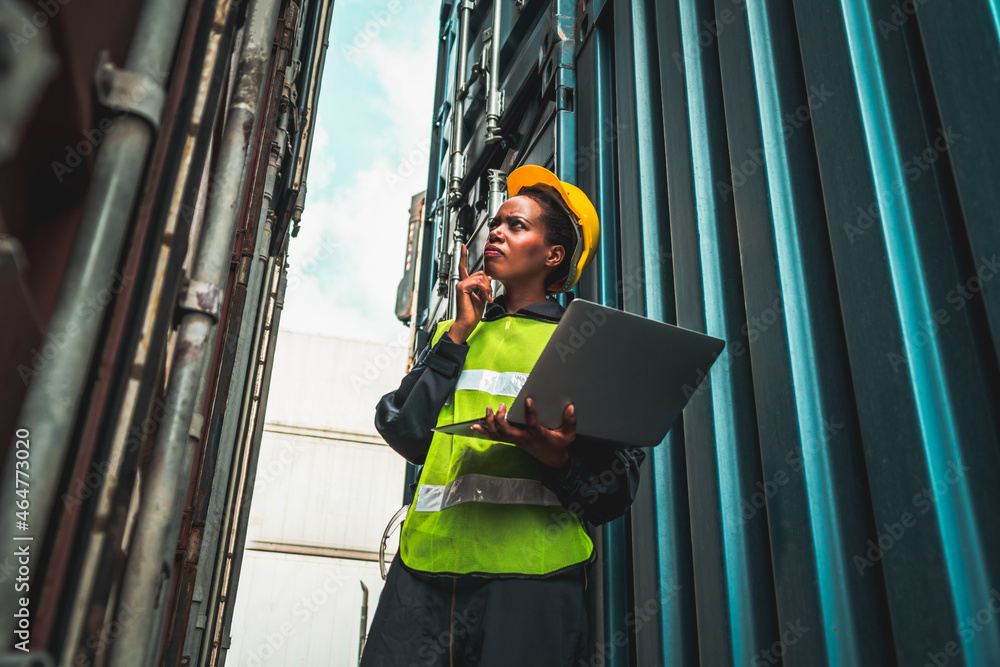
[(480, 507)]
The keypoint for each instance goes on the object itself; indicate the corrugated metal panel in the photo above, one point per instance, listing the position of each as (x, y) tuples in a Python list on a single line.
[(337, 381), (324, 492), (313, 609), (815, 183)]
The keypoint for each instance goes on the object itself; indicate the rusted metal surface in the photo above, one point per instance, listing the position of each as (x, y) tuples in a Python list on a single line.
[(51, 408), (125, 412), (224, 358), (244, 251), (200, 296), (90, 456), (138, 422), (40, 204), (224, 415)]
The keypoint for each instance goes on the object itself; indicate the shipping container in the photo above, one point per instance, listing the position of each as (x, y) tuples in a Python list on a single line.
[(816, 183), (153, 157)]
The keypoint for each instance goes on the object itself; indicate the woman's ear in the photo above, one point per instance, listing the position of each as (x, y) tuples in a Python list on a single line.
[(556, 255)]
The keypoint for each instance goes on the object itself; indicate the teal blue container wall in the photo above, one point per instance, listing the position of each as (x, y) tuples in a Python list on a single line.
[(816, 183), (595, 173)]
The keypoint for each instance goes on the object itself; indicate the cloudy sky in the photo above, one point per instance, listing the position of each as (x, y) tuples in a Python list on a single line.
[(369, 157)]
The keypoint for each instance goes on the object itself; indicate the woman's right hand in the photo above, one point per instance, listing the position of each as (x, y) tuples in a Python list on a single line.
[(469, 305)]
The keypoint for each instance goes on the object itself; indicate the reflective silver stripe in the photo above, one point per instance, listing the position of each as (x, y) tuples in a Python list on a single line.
[(429, 498), (484, 489), (492, 382)]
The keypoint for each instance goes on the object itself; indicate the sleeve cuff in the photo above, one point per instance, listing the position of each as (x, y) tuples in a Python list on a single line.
[(447, 357), (445, 343), (566, 480)]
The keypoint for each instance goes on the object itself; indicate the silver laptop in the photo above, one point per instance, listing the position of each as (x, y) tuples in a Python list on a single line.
[(627, 376)]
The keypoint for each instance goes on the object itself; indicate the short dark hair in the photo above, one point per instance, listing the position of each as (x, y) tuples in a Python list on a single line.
[(558, 220)]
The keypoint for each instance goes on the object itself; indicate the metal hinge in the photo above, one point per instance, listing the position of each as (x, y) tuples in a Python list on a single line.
[(127, 91), (201, 297)]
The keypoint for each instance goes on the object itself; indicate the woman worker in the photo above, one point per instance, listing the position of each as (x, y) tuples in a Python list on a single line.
[(493, 558)]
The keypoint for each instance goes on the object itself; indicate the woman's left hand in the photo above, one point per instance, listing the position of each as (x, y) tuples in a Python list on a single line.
[(550, 446)]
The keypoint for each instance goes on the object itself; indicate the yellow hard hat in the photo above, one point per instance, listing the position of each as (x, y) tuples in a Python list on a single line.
[(587, 228)]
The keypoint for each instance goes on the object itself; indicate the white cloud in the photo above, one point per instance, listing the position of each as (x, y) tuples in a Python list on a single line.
[(321, 163), (347, 261), (407, 77)]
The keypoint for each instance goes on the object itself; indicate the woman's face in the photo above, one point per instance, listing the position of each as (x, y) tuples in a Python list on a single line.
[(519, 236)]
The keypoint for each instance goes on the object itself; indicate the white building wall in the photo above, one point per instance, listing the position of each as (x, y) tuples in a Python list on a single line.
[(327, 492), (300, 610), (326, 486), (332, 384)]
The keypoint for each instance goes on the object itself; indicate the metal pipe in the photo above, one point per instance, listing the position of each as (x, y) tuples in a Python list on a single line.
[(494, 96), (415, 300), (223, 584), (225, 491), (151, 549), (456, 171), (222, 594), (308, 133), (194, 435), (49, 411), (315, 73), (444, 264), (232, 491), (456, 259), (266, 326), (496, 197)]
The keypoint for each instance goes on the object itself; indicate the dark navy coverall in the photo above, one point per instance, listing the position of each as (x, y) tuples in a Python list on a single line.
[(430, 621)]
